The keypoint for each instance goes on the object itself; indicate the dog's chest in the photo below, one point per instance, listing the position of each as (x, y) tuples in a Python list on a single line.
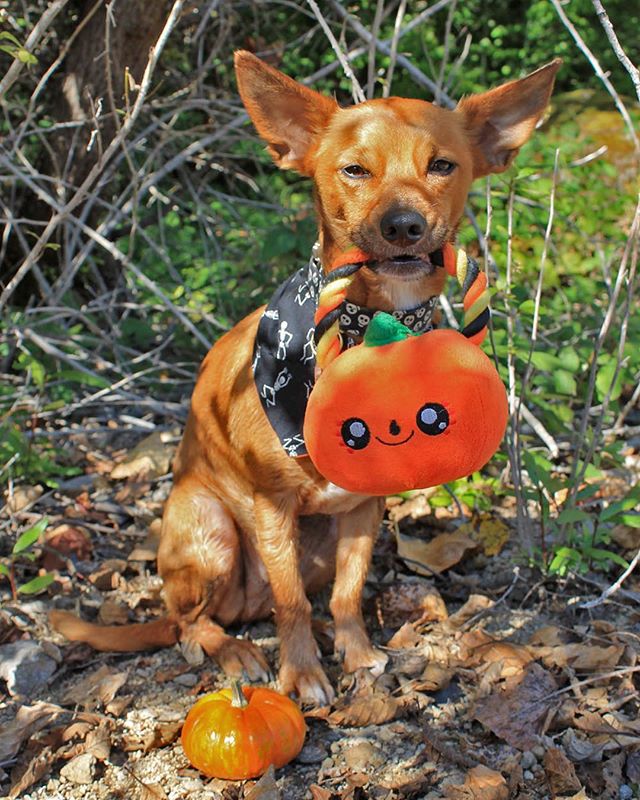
[(327, 498)]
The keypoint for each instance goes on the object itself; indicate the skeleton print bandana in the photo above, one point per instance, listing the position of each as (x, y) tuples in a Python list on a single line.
[(284, 355)]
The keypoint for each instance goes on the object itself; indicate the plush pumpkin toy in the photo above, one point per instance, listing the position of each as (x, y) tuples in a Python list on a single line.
[(403, 411)]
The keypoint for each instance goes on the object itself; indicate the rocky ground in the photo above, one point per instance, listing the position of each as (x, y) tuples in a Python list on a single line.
[(500, 684)]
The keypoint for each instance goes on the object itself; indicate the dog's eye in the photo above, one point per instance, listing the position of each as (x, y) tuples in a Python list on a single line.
[(355, 433), (355, 171), (441, 166), (432, 419)]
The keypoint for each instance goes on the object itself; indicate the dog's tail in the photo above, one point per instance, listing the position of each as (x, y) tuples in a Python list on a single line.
[(161, 632)]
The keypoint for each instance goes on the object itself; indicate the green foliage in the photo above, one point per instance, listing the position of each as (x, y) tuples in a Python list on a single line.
[(9, 44), (23, 551)]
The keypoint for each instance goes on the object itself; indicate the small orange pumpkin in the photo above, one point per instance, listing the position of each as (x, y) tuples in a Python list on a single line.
[(239, 732), (401, 412)]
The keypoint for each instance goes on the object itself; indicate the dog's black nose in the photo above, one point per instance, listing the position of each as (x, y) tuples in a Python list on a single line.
[(403, 227)]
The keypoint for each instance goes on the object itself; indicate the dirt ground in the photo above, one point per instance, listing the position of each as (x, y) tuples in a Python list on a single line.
[(500, 684)]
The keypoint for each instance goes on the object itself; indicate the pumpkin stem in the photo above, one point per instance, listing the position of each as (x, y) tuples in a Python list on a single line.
[(385, 329), (238, 700)]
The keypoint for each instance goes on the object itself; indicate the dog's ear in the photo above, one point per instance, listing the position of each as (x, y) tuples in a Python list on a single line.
[(287, 115), (501, 120)]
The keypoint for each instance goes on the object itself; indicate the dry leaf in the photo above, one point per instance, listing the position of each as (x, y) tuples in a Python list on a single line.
[(512, 658), (149, 459), (97, 689), (152, 791), (580, 657), (372, 709), (28, 720), (163, 734), (37, 768), (109, 574), (407, 636), (516, 710), (481, 783), (476, 604), (560, 773), (626, 537), (435, 556), (548, 636), (112, 612), (416, 507), (63, 542), (265, 789), (20, 498), (489, 532), (410, 601)]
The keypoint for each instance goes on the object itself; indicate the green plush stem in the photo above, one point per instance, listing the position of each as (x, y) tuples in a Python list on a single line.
[(385, 329)]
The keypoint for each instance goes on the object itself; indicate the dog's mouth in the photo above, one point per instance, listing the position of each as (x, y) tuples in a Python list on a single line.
[(407, 266)]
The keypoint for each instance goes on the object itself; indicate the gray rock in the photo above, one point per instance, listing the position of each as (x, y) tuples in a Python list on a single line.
[(80, 769), (25, 667), (312, 754), (362, 756), (528, 760)]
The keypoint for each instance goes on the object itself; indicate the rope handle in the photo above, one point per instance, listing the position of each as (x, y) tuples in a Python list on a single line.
[(472, 281)]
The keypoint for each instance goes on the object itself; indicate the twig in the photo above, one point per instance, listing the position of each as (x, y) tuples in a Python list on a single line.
[(614, 586), (115, 144), (595, 64), (393, 53), (39, 29), (634, 72), (356, 89)]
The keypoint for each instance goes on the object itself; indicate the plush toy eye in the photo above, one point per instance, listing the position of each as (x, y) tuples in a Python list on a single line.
[(433, 419), (355, 433)]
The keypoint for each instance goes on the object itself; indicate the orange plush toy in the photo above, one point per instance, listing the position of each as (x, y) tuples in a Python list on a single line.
[(402, 410)]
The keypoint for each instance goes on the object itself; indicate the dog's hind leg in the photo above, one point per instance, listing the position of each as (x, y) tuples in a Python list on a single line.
[(201, 563)]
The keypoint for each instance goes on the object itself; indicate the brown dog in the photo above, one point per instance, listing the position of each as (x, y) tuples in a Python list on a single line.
[(238, 536)]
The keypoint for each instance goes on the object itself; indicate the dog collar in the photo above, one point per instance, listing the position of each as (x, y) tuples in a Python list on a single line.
[(284, 354)]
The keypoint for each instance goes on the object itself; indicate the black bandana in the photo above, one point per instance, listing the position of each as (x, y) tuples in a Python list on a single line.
[(284, 354)]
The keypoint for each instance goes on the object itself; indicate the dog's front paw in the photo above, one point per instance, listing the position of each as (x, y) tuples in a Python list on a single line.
[(357, 652), (240, 658), (308, 682)]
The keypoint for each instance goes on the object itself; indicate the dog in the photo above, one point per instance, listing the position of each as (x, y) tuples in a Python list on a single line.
[(247, 528)]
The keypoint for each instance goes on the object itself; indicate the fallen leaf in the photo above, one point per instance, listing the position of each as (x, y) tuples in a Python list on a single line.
[(560, 773), (488, 531), (96, 689), (410, 601), (153, 791), (163, 733), (63, 542), (27, 721), (113, 612), (108, 576), (579, 748), (476, 604), (632, 767), (481, 783), (512, 658), (516, 710), (405, 637), (580, 657), (373, 709), (548, 636), (415, 507), (441, 553), (626, 537), (20, 498), (265, 789), (37, 767), (149, 459)]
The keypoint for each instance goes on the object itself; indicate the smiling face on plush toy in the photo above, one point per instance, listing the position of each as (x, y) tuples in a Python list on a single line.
[(432, 419), (413, 413)]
